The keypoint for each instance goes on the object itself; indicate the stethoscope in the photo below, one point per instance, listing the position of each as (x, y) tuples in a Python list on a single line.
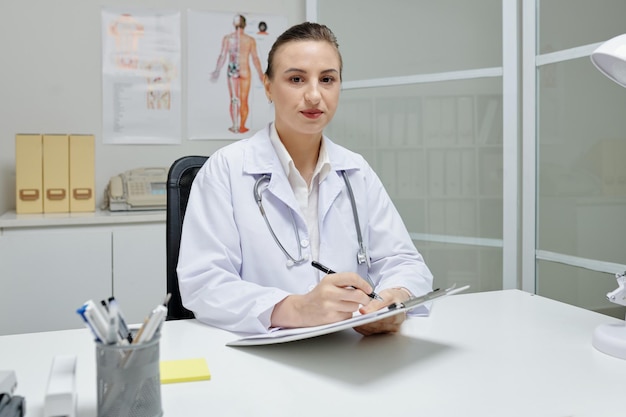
[(361, 255)]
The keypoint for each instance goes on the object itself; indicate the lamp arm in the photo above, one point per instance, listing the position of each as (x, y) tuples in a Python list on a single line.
[(618, 296)]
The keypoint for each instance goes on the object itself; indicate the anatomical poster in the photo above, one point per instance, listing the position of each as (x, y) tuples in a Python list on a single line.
[(227, 56), (141, 79)]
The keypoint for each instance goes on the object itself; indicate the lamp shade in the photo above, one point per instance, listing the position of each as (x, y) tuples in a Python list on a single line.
[(610, 59)]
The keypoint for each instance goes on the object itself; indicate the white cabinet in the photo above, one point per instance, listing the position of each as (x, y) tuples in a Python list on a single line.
[(51, 264), (47, 274), (139, 268)]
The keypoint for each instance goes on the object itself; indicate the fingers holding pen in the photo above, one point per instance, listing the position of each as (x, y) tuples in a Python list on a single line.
[(346, 287), (371, 294), (335, 298)]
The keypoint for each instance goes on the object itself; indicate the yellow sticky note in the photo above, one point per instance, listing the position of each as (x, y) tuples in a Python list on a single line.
[(184, 370)]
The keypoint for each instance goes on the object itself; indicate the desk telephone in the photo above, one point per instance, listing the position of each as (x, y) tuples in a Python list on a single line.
[(138, 189)]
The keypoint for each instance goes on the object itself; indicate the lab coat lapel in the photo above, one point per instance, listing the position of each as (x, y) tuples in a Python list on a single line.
[(329, 191), (279, 186), (260, 158), (333, 184)]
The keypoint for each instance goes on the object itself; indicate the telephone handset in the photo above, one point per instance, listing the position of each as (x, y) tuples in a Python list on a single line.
[(138, 189)]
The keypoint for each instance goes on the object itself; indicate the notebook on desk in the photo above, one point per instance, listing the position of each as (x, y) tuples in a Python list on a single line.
[(290, 335)]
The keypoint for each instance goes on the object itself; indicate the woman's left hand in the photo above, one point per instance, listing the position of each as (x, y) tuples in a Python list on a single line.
[(387, 325)]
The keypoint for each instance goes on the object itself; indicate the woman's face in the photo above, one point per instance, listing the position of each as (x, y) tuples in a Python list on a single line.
[(305, 87)]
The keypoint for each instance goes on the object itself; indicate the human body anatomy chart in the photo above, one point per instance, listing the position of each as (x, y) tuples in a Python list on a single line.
[(227, 56), (141, 87)]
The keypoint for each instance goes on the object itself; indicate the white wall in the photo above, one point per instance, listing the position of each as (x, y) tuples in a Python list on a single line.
[(50, 78)]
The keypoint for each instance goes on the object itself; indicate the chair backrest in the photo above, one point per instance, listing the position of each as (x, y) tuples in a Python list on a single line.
[(179, 179)]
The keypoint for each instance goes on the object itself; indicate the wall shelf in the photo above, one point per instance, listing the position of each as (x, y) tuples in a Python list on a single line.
[(12, 220)]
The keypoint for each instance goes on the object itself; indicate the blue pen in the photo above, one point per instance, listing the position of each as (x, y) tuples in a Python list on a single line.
[(86, 312), (81, 312)]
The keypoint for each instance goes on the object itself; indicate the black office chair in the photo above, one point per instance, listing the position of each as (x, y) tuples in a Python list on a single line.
[(179, 180)]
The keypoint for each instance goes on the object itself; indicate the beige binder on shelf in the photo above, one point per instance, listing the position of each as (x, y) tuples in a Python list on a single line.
[(82, 173), (28, 174), (56, 173)]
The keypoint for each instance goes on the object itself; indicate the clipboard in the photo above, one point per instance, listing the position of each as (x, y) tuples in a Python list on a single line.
[(290, 335)]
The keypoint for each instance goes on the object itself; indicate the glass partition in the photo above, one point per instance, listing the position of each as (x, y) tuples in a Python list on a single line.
[(426, 110), (565, 24), (578, 286), (399, 37), (437, 147), (580, 169), (580, 162)]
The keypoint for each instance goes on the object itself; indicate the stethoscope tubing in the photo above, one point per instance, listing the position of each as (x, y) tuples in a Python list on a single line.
[(257, 197), (362, 256)]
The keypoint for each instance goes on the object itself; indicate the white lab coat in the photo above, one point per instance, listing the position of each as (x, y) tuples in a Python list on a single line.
[(230, 270)]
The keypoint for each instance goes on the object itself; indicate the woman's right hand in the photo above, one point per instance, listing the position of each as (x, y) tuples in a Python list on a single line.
[(334, 299)]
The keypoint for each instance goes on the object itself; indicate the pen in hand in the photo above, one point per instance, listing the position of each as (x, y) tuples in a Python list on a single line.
[(329, 271)]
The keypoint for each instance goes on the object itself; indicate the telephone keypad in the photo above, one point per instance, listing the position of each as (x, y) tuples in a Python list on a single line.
[(137, 188)]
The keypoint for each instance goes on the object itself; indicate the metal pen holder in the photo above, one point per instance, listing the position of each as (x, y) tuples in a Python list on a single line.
[(129, 382)]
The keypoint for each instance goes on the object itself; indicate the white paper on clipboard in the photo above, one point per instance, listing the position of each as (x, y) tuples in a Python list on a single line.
[(290, 335)]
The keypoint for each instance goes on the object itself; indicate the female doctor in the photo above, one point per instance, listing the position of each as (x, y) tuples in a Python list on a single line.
[(261, 209)]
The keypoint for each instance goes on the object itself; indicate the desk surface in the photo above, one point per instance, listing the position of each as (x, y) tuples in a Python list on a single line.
[(504, 353)]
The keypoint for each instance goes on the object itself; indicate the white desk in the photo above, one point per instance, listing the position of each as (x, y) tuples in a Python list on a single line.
[(505, 353)]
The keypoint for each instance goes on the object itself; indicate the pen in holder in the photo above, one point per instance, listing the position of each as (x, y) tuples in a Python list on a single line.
[(128, 379)]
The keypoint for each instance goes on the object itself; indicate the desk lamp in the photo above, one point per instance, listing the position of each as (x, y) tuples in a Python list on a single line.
[(610, 59)]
